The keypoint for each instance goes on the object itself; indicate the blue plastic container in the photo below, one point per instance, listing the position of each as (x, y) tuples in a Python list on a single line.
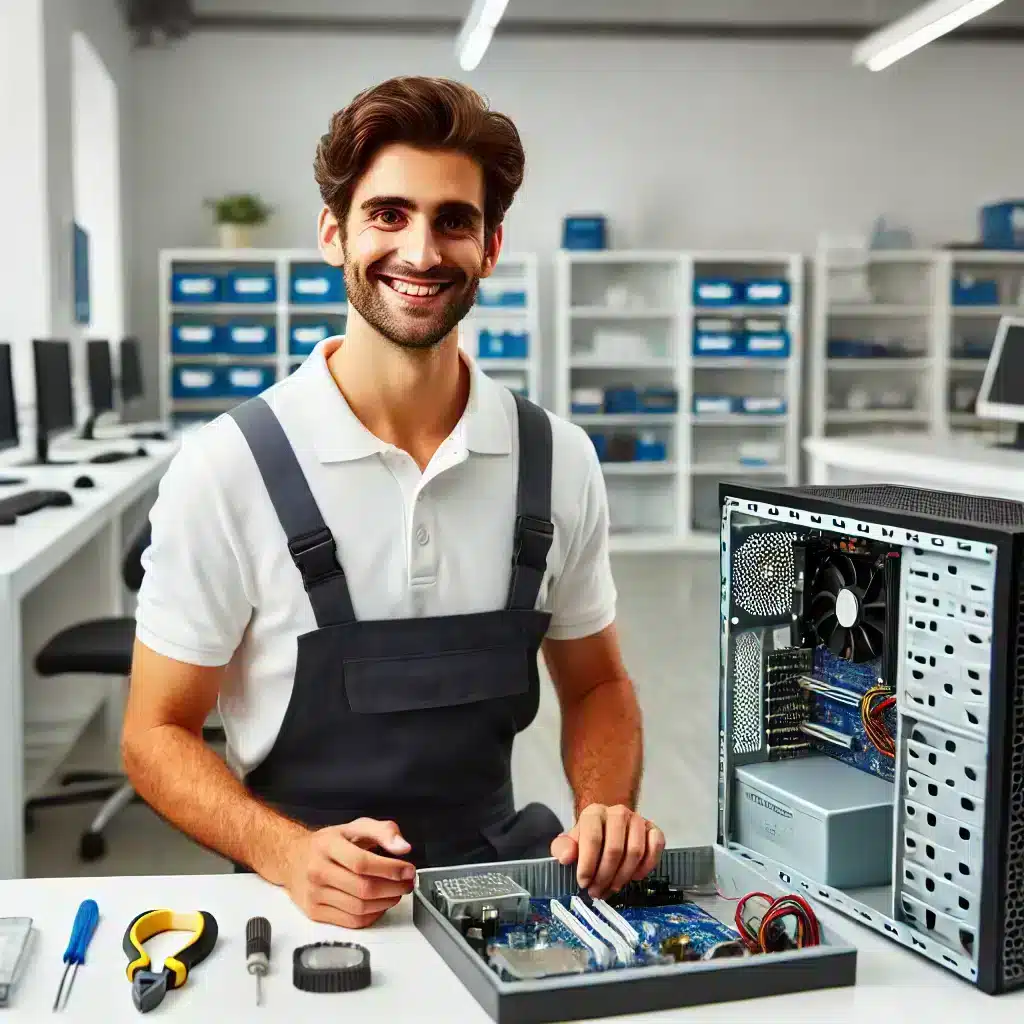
[(195, 287), (755, 406), (496, 296), (1002, 225), (250, 339), (766, 292), (716, 291), (714, 405), (600, 443), (190, 338), (317, 284), (506, 344), (621, 401), (584, 233), (716, 344), (659, 400), (767, 346), (243, 286), (969, 291), (650, 449), (196, 381), (303, 338), (246, 381)]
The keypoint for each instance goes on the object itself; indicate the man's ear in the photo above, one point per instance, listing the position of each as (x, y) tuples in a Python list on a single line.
[(329, 233), (492, 250)]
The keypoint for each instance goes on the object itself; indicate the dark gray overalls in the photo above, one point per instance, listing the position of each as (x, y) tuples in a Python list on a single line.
[(410, 720)]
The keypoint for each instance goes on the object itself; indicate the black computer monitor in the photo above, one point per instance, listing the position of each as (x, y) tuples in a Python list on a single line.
[(131, 370), (55, 406), (101, 384), (8, 410), (1001, 396)]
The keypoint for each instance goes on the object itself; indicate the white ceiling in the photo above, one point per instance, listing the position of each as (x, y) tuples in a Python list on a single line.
[(760, 12)]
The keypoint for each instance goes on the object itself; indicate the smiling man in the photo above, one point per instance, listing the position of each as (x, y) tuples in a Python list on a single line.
[(361, 566)]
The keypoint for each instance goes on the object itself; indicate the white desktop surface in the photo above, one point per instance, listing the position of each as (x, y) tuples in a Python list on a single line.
[(952, 463), (411, 983)]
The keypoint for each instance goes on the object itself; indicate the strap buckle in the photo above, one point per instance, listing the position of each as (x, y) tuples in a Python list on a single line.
[(316, 556), (533, 539)]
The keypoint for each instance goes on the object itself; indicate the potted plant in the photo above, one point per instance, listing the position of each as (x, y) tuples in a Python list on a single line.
[(236, 216)]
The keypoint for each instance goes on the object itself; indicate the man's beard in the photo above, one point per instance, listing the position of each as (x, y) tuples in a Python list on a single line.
[(413, 329)]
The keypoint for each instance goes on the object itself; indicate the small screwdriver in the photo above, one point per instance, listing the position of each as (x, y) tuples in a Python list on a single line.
[(257, 951), (82, 931)]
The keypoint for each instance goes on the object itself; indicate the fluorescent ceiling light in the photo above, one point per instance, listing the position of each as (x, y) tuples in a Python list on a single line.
[(920, 27), (477, 30)]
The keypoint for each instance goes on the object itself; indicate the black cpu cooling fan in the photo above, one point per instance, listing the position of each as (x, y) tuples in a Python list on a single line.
[(848, 606)]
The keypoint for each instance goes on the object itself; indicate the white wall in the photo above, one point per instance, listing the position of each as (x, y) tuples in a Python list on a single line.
[(681, 144), (24, 259), (99, 21)]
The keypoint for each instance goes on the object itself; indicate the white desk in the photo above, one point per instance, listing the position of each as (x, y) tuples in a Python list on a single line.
[(939, 463), (59, 566), (411, 983)]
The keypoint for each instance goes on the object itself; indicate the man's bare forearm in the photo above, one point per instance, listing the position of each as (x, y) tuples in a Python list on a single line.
[(185, 781), (602, 745)]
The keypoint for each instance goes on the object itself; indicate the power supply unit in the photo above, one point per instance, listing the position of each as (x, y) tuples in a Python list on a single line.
[(872, 711)]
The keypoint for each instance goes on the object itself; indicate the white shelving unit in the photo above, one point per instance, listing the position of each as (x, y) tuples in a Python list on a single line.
[(970, 328), (506, 328), (876, 352), (626, 319)]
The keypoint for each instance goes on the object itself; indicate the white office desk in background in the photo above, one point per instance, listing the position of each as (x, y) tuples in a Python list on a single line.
[(957, 464), (58, 567)]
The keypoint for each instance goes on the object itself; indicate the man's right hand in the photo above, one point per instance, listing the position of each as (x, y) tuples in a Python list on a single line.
[(334, 878)]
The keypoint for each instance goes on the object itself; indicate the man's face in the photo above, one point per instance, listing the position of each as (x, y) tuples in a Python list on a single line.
[(413, 246)]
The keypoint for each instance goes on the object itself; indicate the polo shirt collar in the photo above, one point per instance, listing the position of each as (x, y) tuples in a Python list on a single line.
[(338, 435)]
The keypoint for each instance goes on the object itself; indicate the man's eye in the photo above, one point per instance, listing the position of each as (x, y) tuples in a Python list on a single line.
[(454, 223), (389, 217)]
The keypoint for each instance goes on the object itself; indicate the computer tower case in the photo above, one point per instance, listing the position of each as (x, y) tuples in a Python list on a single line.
[(872, 711)]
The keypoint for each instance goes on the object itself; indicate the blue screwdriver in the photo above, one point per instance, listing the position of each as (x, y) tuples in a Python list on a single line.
[(82, 930)]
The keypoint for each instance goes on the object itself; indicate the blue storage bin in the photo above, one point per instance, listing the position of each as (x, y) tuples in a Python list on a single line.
[(246, 381), (659, 400), (716, 344), (196, 381), (502, 344), (650, 449), (492, 295), (856, 348), (189, 286), (754, 406), (317, 283), (766, 292), (621, 401), (303, 338), (772, 346), (969, 291), (586, 401), (600, 443), (584, 233), (1002, 225), (715, 291), (193, 339), (714, 405), (250, 286), (250, 339)]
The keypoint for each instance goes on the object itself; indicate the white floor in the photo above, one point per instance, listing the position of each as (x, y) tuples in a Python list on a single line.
[(668, 620)]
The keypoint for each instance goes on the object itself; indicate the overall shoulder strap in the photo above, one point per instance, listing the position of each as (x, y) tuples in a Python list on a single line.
[(534, 529), (310, 542)]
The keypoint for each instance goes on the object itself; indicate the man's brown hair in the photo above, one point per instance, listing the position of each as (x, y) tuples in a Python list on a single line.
[(428, 113)]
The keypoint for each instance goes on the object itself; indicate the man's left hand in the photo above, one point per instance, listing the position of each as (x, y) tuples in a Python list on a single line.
[(611, 846)]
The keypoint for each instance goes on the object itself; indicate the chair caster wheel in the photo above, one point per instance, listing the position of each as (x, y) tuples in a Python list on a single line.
[(92, 847)]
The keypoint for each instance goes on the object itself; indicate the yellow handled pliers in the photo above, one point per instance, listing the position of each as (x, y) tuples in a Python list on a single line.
[(149, 987)]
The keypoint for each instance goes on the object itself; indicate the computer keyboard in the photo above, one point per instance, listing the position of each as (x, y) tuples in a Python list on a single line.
[(116, 456), (31, 501)]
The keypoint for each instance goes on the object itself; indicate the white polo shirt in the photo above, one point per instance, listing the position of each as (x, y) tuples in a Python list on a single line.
[(220, 587)]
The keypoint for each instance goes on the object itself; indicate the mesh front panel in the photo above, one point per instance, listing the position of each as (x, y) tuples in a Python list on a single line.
[(746, 693), (1013, 926), (964, 508)]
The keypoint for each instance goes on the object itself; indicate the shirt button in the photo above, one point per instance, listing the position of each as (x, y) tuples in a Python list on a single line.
[(422, 536)]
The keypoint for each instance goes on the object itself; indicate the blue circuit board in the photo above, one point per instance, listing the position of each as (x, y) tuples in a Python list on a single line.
[(654, 925), (859, 678)]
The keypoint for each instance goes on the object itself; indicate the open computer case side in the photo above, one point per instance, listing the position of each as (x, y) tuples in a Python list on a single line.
[(986, 944)]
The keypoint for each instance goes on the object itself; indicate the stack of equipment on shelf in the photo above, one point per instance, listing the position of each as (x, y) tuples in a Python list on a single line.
[(1002, 225), (873, 711)]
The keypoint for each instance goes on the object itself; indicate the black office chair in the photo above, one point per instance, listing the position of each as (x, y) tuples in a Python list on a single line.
[(99, 647)]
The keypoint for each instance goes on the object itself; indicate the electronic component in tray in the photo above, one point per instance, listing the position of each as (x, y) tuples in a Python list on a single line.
[(649, 923)]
